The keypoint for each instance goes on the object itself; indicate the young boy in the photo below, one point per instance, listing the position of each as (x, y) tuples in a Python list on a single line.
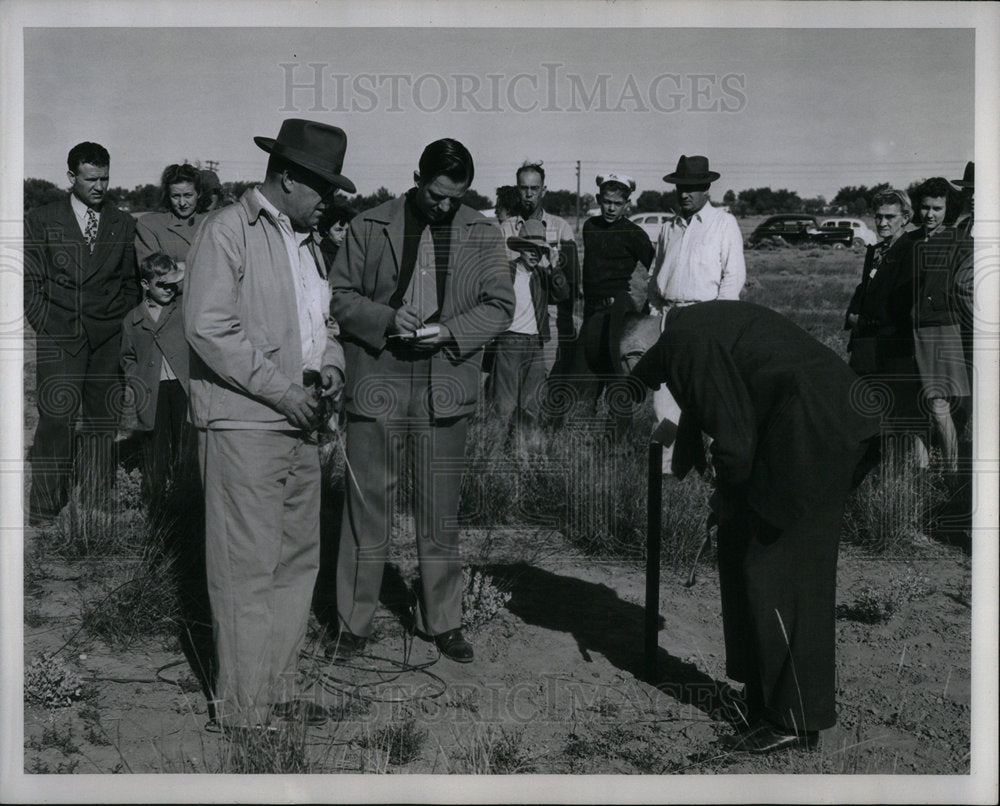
[(519, 366), (612, 245), (612, 248), (154, 358)]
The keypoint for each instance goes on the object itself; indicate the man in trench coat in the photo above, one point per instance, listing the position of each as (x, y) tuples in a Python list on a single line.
[(419, 286), (789, 423)]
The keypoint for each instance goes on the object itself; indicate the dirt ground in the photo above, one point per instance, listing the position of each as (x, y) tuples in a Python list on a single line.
[(559, 682)]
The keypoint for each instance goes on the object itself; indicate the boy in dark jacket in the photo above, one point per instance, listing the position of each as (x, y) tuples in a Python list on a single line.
[(154, 358)]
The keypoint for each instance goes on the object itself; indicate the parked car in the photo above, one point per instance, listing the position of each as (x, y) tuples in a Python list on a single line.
[(652, 223), (863, 235), (799, 228)]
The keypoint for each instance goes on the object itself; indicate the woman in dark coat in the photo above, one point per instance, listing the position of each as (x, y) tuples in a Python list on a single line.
[(790, 422), (937, 336), (880, 313)]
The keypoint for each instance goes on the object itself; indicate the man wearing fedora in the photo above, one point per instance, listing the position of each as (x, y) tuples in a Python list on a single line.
[(518, 373), (963, 278), (256, 316), (699, 257), (420, 285)]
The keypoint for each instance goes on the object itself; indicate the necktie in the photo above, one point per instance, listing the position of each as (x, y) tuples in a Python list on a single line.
[(91, 232), (422, 293)]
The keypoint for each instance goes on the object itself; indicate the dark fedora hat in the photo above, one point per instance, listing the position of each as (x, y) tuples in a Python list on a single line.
[(969, 178), (316, 147), (692, 171), (601, 336)]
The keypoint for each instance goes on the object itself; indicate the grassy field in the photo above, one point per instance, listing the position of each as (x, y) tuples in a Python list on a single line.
[(554, 541)]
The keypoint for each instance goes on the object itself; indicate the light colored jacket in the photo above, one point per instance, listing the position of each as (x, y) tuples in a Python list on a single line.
[(165, 232), (478, 304), (241, 320)]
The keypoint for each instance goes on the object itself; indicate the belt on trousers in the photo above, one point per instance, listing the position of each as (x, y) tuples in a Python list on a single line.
[(679, 303)]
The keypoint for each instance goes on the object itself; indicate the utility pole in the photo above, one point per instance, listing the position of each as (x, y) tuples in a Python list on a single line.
[(212, 165), (578, 195)]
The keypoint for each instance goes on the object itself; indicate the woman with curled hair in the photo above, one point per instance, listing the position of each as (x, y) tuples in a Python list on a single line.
[(172, 231), (936, 336)]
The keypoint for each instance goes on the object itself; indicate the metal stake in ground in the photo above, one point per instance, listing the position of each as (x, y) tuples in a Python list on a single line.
[(663, 436), (653, 502)]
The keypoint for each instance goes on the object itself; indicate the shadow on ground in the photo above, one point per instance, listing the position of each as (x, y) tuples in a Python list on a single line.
[(600, 621)]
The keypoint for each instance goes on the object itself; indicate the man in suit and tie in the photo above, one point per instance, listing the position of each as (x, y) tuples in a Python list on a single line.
[(79, 282), (419, 286)]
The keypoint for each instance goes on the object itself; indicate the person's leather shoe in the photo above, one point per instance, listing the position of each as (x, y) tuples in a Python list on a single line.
[(301, 712), (767, 737), (454, 646), (344, 645)]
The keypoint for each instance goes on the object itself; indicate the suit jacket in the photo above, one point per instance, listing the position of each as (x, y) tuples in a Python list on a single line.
[(786, 414), (241, 319), (145, 343), (165, 232), (478, 304), (884, 305), (71, 295)]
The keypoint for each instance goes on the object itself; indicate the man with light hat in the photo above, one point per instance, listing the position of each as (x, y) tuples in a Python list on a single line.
[(699, 257), (518, 374), (263, 359)]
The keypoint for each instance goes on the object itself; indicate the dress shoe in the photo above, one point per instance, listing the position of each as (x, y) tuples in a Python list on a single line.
[(301, 712), (767, 737), (344, 646), (454, 646)]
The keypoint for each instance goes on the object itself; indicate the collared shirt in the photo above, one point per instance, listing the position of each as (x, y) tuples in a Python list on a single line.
[(699, 259), (524, 308), (80, 211), (312, 294)]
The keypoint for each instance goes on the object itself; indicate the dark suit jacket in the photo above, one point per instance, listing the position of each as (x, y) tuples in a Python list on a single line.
[(785, 412), (70, 294), (478, 304), (884, 305), (145, 344)]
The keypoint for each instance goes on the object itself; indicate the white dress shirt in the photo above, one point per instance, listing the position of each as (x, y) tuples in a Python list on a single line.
[(312, 293), (698, 259)]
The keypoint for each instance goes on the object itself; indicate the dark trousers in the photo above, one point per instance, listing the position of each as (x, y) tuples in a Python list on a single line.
[(171, 447), (517, 377), (90, 382), (778, 589)]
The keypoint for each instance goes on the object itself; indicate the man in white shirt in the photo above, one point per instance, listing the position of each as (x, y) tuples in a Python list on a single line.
[(562, 248), (699, 257)]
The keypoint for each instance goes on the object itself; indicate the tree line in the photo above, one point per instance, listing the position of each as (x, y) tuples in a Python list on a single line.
[(850, 199)]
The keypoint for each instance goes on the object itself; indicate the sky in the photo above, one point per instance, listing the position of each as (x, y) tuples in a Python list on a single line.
[(808, 110)]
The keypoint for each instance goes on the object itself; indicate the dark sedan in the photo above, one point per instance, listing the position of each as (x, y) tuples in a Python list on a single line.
[(799, 228)]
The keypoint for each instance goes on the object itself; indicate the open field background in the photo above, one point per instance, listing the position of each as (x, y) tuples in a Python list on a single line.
[(554, 541)]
